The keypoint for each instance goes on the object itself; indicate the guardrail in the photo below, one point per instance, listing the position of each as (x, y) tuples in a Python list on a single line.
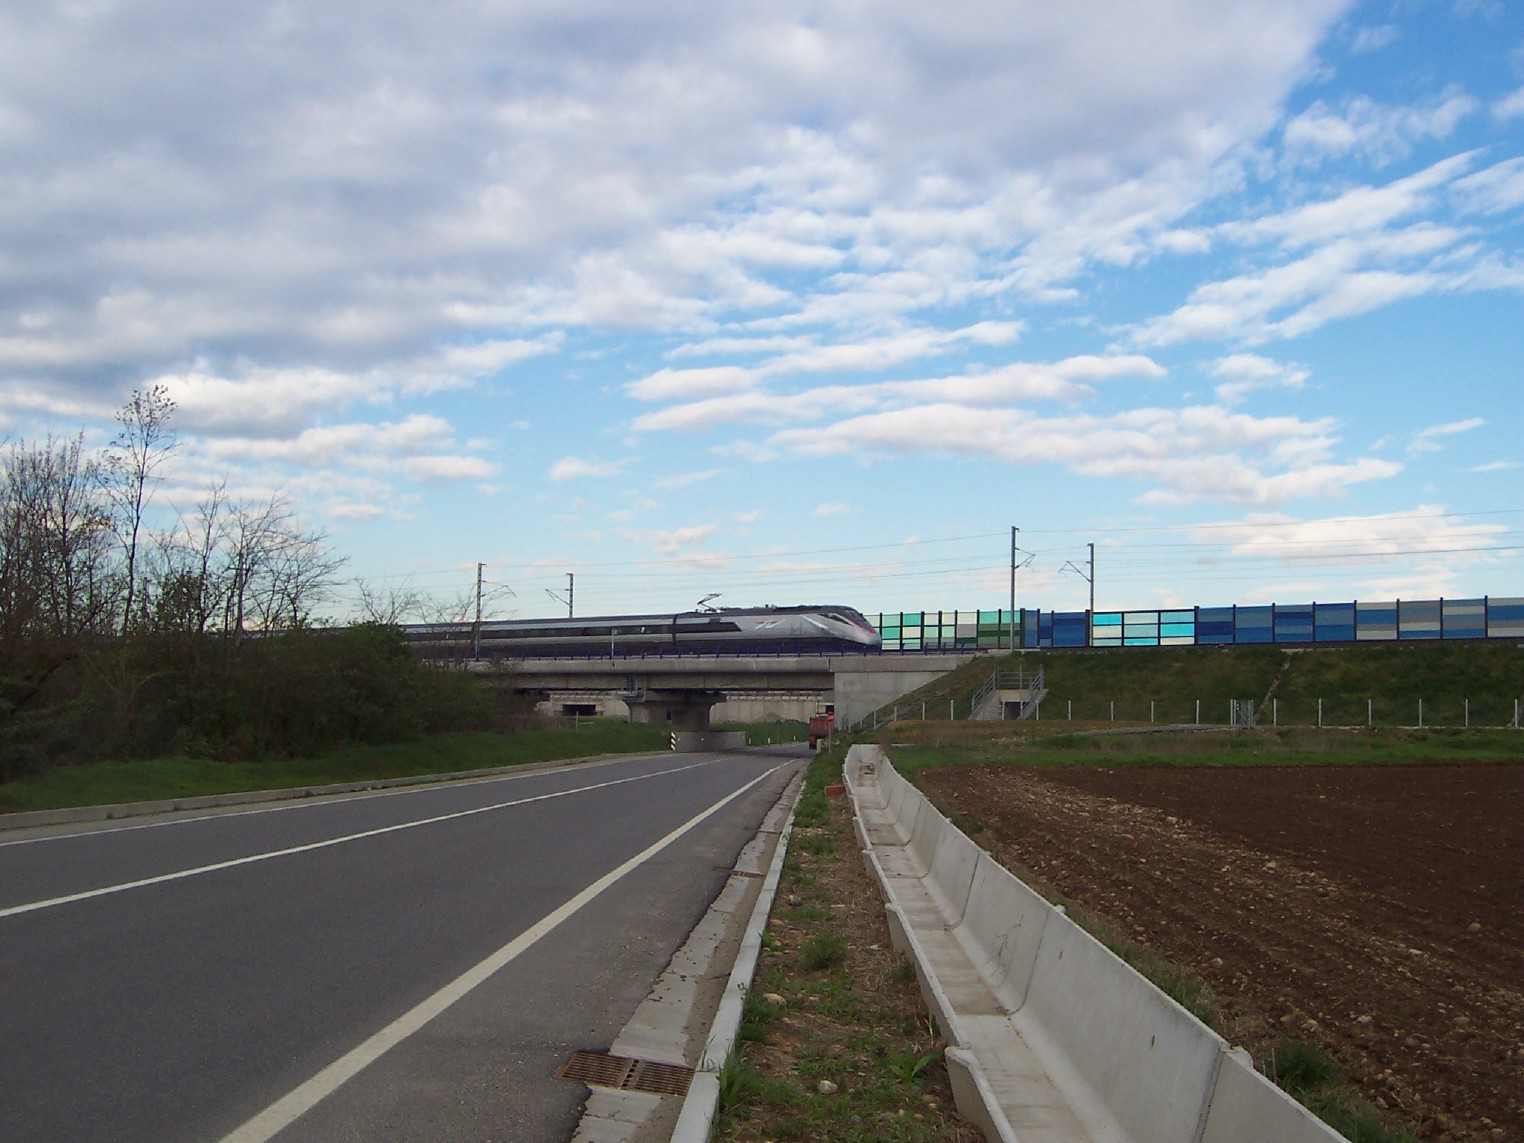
[(1047, 1028)]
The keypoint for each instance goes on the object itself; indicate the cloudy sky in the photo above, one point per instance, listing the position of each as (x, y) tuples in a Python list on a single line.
[(795, 302)]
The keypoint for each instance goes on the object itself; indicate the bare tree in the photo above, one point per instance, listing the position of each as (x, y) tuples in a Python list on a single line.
[(184, 584), (390, 605), (276, 572), (143, 443)]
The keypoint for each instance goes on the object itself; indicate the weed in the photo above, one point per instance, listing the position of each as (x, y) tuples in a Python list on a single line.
[(1300, 1067), (739, 1083), (824, 950), (756, 1015), (818, 845), (1311, 1076), (910, 1068)]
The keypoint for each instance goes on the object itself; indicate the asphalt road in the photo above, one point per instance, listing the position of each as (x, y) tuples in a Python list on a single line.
[(396, 966)]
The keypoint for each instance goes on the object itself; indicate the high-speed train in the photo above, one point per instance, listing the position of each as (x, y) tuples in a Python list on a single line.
[(726, 630)]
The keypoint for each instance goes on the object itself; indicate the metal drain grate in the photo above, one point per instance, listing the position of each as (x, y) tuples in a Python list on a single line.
[(600, 1069), (737, 872)]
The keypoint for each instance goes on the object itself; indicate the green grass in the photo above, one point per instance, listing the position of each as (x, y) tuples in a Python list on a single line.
[(1393, 676), (105, 783), (824, 950), (768, 733), (756, 1015), (1312, 1077), (1008, 743)]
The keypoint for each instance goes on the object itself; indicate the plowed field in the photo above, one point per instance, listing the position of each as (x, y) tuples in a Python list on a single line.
[(1375, 910)]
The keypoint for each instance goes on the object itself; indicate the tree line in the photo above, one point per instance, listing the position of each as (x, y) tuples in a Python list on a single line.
[(119, 639)]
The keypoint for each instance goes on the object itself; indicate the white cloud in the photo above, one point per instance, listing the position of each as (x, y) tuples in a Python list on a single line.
[(832, 508), (1243, 373), (653, 168), (685, 384), (1494, 190), (676, 546), (685, 479), (1496, 466), (1383, 133), (1426, 530), (1374, 37), (448, 468), (1428, 439), (1511, 106), (1187, 454), (575, 468), (350, 510), (1067, 380)]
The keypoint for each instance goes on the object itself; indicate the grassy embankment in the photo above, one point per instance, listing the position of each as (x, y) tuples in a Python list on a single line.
[(104, 783), (1381, 683)]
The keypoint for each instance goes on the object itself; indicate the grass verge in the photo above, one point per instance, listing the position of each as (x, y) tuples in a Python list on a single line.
[(918, 746), (105, 783), (835, 1043)]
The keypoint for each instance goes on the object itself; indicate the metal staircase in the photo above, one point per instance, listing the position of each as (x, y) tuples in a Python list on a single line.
[(989, 702)]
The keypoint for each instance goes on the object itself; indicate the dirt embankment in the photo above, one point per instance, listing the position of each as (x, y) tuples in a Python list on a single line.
[(1377, 911)]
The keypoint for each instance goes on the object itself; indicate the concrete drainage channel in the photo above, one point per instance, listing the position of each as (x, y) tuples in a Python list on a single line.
[(665, 1039), (1051, 1037)]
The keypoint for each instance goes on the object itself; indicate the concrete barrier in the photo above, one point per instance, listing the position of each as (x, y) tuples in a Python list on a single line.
[(1051, 1036)]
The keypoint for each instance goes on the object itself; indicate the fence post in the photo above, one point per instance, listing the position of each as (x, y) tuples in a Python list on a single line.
[(1320, 714), (1113, 710), (1150, 711), (1420, 712), (951, 717), (923, 712), (1468, 714), (1370, 713), (1275, 712), (1198, 712), (1071, 710)]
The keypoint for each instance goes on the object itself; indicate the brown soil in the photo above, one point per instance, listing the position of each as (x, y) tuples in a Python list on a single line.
[(1376, 910)]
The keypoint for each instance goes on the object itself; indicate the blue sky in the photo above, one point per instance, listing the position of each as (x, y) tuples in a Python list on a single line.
[(795, 302)]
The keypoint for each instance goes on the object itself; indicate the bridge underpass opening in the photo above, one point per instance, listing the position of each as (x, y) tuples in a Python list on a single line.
[(678, 709)]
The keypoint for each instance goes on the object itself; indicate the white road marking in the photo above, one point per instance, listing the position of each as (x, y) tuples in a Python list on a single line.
[(314, 801), (286, 1110), (233, 863)]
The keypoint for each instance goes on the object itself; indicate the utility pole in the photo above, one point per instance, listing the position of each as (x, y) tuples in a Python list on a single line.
[(1088, 571), (1011, 643), (570, 588), (1092, 593), (476, 631)]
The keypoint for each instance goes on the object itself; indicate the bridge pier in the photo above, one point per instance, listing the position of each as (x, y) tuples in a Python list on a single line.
[(677, 709)]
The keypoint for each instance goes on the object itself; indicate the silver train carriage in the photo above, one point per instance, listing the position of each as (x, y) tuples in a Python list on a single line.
[(727, 630)]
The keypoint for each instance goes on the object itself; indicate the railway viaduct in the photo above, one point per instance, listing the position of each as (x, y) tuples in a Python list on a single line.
[(681, 691)]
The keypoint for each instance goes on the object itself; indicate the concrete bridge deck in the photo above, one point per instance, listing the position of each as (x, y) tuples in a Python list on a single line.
[(681, 690)]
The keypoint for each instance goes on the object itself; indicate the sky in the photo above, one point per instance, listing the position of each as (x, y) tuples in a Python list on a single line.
[(795, 302)]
